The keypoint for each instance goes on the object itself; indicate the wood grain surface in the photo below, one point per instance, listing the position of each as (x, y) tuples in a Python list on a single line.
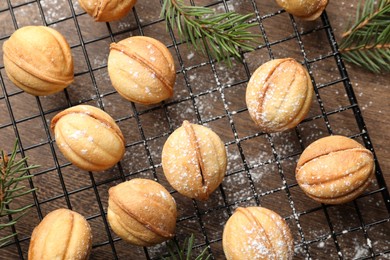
[(354, 230)]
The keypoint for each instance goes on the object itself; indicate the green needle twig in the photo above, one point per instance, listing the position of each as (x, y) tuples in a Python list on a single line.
[(367, 42), (184, 251), (221, 35), (12, 173)]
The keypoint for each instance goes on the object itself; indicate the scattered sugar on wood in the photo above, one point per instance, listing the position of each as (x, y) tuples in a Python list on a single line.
[(190, 55)]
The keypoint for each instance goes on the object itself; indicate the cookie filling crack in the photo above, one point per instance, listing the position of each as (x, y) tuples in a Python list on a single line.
[(195, 144), (339, 178), (72, 223), (257, 225), (266, 80), (329, 153), (33, 70), (146, 224), (287, 122)]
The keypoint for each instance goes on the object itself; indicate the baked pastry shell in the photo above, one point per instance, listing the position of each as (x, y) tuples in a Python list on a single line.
[(62, 234), (257, 233), (142, 70), (107, 10), (335, 170), (38, 60), (88, 137), (194, 160), (308, 10), (142, 212), (279, 95)]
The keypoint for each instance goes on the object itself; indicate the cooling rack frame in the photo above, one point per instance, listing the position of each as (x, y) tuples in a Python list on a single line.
[(302, 244)]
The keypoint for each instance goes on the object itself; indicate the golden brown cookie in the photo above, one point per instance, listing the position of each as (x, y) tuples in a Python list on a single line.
[(88, 137), (62, 234), (142, 212), (257, 233), (305, 9), (279, 95), (194, 160), (107, 10), (38, 60), (335, 169), (142, 70)]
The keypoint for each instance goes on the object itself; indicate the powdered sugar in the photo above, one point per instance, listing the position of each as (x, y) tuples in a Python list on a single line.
[(77, 134)]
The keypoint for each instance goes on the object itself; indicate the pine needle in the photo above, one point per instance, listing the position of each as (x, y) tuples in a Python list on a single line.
[(184, 251), (367, 42), (221, 35), (12, 172)]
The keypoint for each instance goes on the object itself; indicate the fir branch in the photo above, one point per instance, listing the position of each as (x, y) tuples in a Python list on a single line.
[(221, 35), (12, 172), (367, 42), (184, 251)]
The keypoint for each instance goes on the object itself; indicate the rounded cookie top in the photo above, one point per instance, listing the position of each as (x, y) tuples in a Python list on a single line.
[(305, 9), (335, 169), (88, 137), (279, 95), (257, 233), (142, 70), (194, 160), (107, 10), (38, 59), (62, 234), (142, 212)]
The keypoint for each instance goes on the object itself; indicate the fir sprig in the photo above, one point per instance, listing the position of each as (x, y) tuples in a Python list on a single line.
[(184, 251), (12, 173), (367, 42), (219, 34)]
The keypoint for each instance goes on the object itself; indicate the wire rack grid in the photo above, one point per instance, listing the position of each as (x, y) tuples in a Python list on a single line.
[(261, 166)]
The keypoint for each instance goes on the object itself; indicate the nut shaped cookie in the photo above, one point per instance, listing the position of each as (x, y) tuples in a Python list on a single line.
[(88, 137), (107, 10), (279, 95), (194, 160), (38, 60), (142, 70), (257, 233), (335, 170), (142, 212), (62, 234), (308, 10)]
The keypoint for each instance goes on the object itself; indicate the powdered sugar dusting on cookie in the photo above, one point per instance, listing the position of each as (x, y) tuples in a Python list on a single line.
[(257, 233), (277, 95), (77, 134)]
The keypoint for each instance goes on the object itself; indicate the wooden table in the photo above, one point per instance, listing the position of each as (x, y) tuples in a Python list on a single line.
[(372, 90), (63, 185)]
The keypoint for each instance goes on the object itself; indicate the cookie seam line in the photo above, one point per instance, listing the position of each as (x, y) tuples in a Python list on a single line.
[(147, 65), (365, 183), (336, 179), (194, 142), (34, 72), (252, 219), (142, 221), (270, 73), (105, 122), (331, 152), (70, 235)]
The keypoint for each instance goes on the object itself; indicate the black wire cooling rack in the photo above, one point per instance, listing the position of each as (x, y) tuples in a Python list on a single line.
[(261, 166)]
